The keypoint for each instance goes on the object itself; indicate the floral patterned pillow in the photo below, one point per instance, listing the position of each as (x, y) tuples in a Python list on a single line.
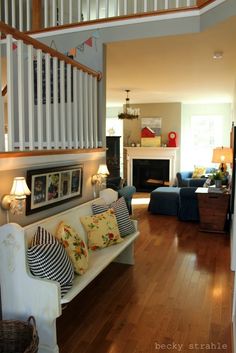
[(198, 172), (102, 230), (74, 246)]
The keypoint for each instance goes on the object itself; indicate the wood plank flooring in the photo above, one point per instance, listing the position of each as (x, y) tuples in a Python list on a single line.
[(176, 298)]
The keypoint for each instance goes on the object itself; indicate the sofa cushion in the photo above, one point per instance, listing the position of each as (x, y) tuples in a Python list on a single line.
[(102, 230), (75, 247), (124, 222)]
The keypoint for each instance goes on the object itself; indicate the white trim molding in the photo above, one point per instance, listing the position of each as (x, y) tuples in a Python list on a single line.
[(155, 153)]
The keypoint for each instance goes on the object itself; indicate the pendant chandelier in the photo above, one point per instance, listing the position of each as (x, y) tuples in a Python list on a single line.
[(129, 113)]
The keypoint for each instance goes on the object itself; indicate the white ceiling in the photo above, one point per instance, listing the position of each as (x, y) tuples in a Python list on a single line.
[(175, 68)]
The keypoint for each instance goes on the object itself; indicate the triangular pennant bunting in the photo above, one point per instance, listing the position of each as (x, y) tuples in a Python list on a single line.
[(89, 42), (72, 52)]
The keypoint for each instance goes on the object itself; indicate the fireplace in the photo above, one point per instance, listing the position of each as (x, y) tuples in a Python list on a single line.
[(156, 165), (148, 174)]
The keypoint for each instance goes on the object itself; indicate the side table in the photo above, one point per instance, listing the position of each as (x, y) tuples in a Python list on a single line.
[(213, 208)]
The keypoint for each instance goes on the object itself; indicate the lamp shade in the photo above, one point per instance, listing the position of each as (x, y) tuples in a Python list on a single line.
[(19, 188), (222, 155), (103, 169)]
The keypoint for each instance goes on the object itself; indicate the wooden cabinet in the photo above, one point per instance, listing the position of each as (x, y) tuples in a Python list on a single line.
[(213, 210), (113, 155)]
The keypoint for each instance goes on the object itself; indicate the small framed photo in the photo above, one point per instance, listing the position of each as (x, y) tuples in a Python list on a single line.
[(52, 186)]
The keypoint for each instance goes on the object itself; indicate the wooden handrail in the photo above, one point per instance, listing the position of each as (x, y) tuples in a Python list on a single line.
[(6, 29), (50, 152), (200, 5)]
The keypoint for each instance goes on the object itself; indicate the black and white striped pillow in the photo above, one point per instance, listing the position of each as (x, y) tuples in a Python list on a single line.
[(48, 259), (42, 236), (125, 224)]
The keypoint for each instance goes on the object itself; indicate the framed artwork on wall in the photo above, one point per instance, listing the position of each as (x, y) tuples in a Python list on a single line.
[(53, 186)]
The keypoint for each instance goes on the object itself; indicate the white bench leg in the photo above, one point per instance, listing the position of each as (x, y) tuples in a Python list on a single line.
[(127, 256), (47, 336)]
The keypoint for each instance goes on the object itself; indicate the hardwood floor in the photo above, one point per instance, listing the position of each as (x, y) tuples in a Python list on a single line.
[(176, 298)]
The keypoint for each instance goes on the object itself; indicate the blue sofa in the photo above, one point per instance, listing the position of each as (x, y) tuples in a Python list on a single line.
[(186, 179)]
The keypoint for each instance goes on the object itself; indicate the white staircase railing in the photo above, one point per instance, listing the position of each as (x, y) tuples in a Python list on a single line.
[(26, 15), (51, 100)]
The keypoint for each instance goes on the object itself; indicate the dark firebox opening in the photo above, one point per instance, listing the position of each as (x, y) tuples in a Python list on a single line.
[(148, 174)]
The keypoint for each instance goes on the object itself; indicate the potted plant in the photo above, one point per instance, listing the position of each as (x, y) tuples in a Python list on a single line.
[(217, 177)]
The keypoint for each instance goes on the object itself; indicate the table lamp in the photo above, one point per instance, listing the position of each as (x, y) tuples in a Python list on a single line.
[(222, 155)]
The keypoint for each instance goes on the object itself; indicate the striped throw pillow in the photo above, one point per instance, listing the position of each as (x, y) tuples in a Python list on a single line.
[(125, 224), (42, 236), (50, 260)]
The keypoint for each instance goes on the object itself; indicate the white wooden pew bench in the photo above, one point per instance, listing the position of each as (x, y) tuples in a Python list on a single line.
[(23, 294)]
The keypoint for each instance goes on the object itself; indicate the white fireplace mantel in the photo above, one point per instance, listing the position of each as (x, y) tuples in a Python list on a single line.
[(168, 153)]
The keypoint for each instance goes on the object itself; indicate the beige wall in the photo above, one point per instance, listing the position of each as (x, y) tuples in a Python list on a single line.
[(90, 167), (171, 121)]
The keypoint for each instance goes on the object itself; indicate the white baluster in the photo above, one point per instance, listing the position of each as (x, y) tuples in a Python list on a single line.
[(97, 9), (55, 104), (125, 7), (10, 93), (6, 14), (95, 112), (90, 110), (62, 104), (69, 114), (28, 16), (75, 108), (2, 118), (21, 11), (85, 102), (48, 101), (166, 4), (81, 108), (79, 11), (117, 11), (145, 5), (31, 96), (61, 12), (70, 12), (188, 3), (88, 10), (177, 4), (39, 100), (135, 7), (106, 9), (46, 13), (13, 14), (54, 13), (21, 96), (155, 5)]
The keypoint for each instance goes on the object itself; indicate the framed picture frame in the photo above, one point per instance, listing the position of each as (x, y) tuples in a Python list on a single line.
[(53, 186)]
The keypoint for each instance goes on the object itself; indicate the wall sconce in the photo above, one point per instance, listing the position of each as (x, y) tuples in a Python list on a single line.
[(222, 155), (99, 179), (15, 202), (101, 175)]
